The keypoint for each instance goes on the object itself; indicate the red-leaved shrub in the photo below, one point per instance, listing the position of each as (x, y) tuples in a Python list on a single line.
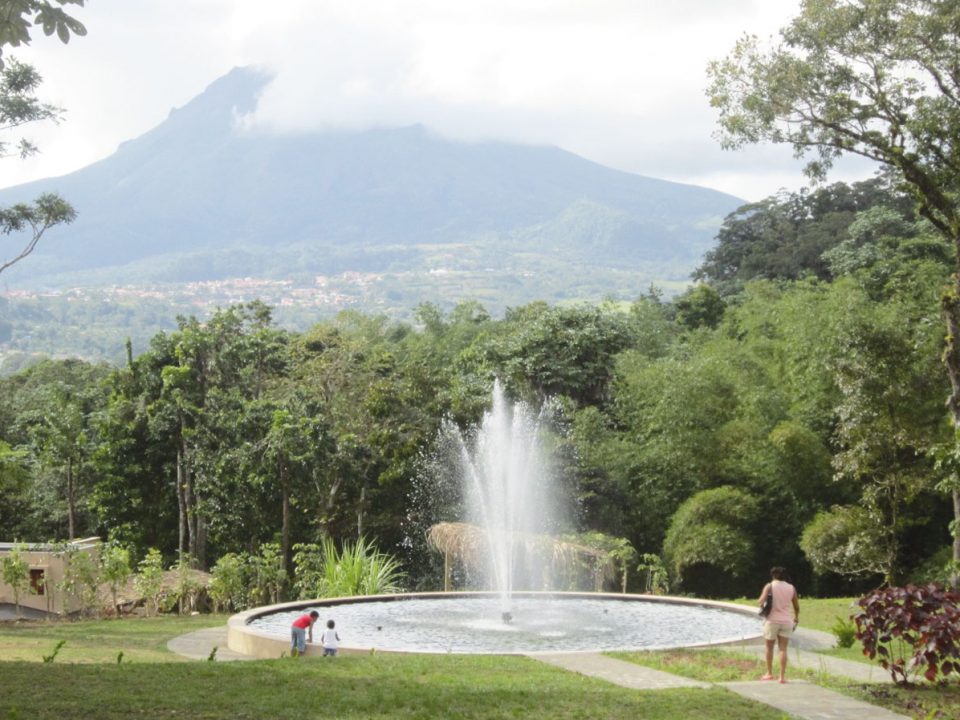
[(911, 628)]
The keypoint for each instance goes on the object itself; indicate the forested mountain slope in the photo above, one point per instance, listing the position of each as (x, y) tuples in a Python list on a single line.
[(198, 197)]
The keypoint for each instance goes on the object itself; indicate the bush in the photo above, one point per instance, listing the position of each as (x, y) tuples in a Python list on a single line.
[(846, 541), (935, 569), (187, 589), (708, 548), (15, 572), (845, 632), (654, 574), (267, 576), (115, 570), (149, 580), (227, 586), (911, 628), (308, 561), (81, 579)]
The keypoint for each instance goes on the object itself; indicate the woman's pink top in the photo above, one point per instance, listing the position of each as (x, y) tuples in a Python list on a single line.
[(783, 594)]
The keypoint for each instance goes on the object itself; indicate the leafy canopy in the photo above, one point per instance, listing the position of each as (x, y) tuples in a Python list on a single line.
[(874, 78), (19, 17)]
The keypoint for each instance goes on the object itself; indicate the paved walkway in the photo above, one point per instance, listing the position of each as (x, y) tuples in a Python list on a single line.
[(618, 672), (200, 644), (9, 612), (799, 699), (811, 702)]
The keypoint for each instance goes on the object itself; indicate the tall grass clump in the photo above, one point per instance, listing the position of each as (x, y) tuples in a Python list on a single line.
[(358, 568)]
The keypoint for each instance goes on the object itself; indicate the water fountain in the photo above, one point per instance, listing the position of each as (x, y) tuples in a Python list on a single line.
[(510, 536), (508, 486)]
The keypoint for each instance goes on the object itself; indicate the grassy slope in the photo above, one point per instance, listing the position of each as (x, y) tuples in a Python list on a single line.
[(347, 687), (100, 641), (85, 681)]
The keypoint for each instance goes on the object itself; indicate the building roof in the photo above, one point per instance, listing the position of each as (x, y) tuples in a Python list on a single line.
[(81, 544)]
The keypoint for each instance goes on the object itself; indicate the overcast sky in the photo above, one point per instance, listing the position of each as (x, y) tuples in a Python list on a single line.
[(618, 81)]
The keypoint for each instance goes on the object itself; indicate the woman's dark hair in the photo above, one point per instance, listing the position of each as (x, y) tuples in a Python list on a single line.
[(778, 573)]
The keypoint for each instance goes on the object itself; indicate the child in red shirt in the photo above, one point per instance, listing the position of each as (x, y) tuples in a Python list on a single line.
[(301, 631)]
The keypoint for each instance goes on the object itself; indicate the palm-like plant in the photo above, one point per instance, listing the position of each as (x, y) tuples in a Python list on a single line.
[(357, 569)]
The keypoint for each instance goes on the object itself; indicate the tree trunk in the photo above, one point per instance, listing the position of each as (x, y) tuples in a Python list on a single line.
[(189, 499), (185, 478), (955, 575), (182, 506), (200, 554), (326, 512), (363, 498), (285, 521), (951, 358), (71, 502)]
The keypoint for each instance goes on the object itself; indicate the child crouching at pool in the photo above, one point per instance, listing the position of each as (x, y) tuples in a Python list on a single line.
[(331, 641)]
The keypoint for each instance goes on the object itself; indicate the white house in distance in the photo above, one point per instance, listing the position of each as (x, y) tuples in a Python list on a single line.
[(47, 563)]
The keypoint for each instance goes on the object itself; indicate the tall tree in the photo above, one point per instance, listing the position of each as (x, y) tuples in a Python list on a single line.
[(785, 236), (133, 496), (19, 106), (568, 351), (57, 405), (875, 78)]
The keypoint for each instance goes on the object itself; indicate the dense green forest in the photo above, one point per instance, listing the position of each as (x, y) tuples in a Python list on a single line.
[(92, 321), (788, 409)]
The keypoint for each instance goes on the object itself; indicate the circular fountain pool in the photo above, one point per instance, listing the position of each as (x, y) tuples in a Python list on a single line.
[(539, 622)]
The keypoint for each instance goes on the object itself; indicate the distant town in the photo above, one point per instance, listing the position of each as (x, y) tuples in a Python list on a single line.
[(331, 292)]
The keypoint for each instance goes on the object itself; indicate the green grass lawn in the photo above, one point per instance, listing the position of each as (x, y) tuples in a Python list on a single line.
[(817, 613), (85, 681), (822, 614), (382, 686), (100, 641), (709, 665)]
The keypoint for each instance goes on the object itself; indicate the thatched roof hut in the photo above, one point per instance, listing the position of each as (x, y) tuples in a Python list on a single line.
[(468, 544)]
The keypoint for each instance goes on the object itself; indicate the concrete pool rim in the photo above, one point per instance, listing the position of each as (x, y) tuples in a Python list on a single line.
[(248, 640)]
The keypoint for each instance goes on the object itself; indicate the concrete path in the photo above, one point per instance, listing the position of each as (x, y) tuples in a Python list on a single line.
[(811, 702), (799, 699), (618, 672), (8, 611), (198, 645)]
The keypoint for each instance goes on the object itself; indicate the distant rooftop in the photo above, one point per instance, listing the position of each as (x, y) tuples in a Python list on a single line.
[(81, 544)]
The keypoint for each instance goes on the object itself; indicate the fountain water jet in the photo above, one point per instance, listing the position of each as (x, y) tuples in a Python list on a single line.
[(507, 482)]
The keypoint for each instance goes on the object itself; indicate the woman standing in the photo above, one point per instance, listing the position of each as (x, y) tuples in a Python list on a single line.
[(782, 620)]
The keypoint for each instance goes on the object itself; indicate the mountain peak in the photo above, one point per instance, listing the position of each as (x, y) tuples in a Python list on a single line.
[(194, 182)]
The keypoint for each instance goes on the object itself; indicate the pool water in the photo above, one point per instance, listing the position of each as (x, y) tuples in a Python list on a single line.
[(537, 624)]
